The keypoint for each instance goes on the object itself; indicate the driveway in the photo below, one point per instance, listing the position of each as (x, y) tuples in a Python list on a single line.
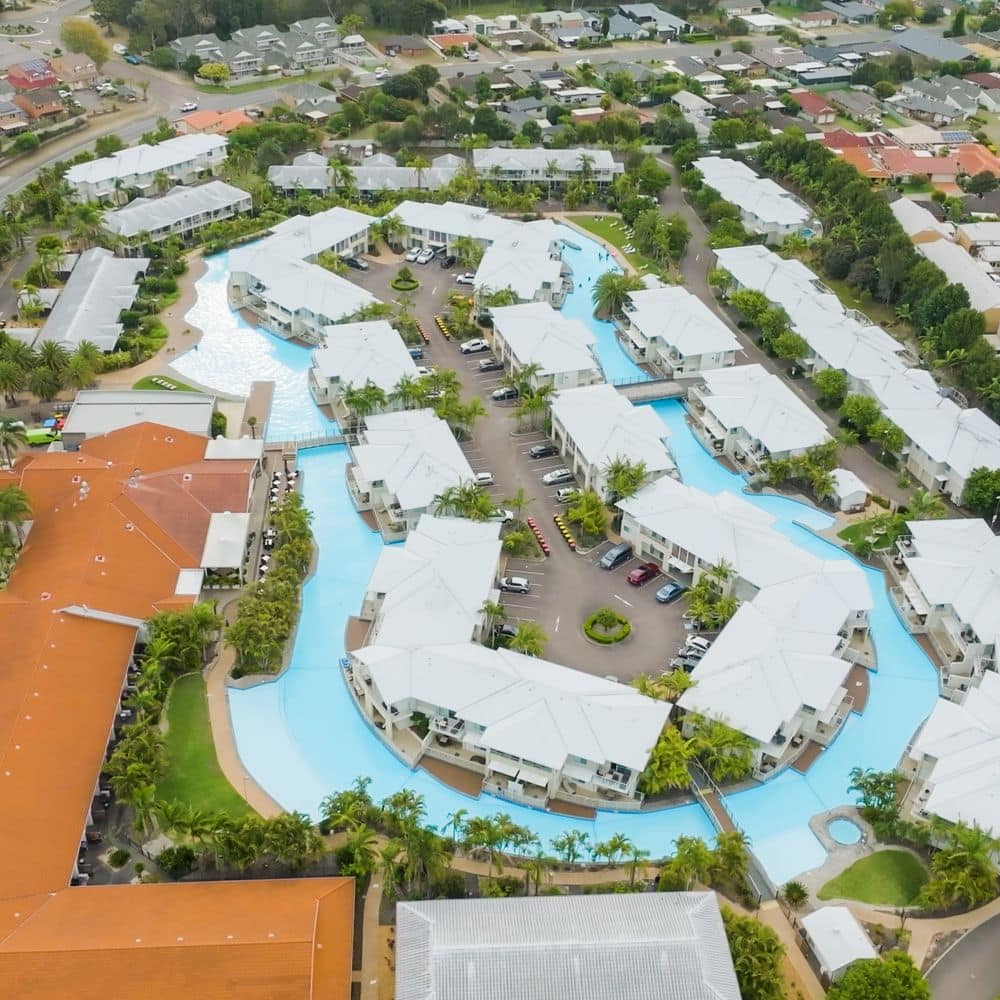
[(971, 970)]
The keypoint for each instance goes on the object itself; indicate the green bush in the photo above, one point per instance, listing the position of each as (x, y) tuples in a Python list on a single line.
[(177, 861), (119, 857), (402, 285), (219, 423), (607, 627)]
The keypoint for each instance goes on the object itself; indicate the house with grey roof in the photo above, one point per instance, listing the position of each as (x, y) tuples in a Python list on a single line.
[(621, 28), (320, 29), (660, 23), (852, 12), (923, 43), (961, 94)]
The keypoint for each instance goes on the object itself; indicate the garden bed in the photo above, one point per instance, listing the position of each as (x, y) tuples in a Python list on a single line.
[(404, 285), (607, 627)]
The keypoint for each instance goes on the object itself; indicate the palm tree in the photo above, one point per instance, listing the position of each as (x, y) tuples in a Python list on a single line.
[(410, 392), (667, 766), (623, 479), (588, 511), (161, 182), (794, 895), (12, 380), (731, 858), (611, 291), (78, 374), (44, 383), (925, 506), (570, 845), (12, 436), (364, 400), (551, 172), (456, 822), (468, 251), (492, 613), (53, 355), (518, 502), (529, 639), (726, 753), (15, 509), (252, 424), (635, 863), (361, 842), (419, 164), (536, 870)]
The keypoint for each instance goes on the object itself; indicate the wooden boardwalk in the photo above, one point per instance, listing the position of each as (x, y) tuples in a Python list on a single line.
[(461, 779), (858, 686), (719, 814), (807, 758)]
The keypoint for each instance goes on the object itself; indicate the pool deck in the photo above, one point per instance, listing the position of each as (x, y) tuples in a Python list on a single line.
[(460, 778)]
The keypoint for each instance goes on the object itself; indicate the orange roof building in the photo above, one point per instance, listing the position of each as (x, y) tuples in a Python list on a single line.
[(865, 161), (211, 122), (115, 525), (975, 159)]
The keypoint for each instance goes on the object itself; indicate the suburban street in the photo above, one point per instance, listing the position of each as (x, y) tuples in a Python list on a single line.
[(971, 970)]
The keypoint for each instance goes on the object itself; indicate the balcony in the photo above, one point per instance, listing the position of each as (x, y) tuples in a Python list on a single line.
[(361, 498), (391, 523), (447, 726)]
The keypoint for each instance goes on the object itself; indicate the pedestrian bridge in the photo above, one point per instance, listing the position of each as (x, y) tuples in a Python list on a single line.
[(640, 390)]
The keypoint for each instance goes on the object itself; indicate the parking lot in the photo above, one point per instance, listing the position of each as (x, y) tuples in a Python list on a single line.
[(565, 587)]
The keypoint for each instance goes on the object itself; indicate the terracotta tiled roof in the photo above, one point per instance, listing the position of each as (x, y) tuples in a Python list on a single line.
[(217, 122), (113, 524), (810, 102), (974, 159), (864, 161)]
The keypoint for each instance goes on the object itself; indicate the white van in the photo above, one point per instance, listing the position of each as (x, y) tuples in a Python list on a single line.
[(700, 643), (369, 150)]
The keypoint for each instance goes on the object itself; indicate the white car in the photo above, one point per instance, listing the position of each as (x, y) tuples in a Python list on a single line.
[(484, 479), (412, 254), (119, 49), (189, 106), (501, 516), (899, 27), (425, 256), (507, 68), (465, 279), (381, 73), (474, 347), (65, 94), (515, 584), (557, 476)]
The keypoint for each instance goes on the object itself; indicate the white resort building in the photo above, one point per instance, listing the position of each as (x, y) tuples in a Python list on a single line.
[(766, 208), (946, 577), (400, 464), (181, 160), (595, 425), (528, 261), (534, 333), (780, 669), (675, 332), (545, 167), (355, 355), (750, 415), (182, 211)]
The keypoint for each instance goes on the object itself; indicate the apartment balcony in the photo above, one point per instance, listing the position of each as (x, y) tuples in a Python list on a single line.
[(827, 731), (915, 622), (617, 779), (391, 523), (448, 727), (362, 498)]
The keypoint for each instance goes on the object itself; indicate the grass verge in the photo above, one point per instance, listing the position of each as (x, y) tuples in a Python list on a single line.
[(890, 878), (600, 226), (193, 775)]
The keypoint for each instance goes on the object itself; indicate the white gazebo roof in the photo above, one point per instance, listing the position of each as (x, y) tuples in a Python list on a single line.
[(226, 540)]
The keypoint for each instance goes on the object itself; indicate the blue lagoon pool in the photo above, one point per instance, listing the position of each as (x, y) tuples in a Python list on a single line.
[(301, 737)]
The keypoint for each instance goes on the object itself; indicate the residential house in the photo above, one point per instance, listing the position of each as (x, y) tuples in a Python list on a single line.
[(99, 287), (779, 57), (527, 260), (752, 416), (692, 105), (850, 492), (182, 211), (596, 425), (587, 947), (181, 160), (399, 466), (764, 23), (675, 332), (262, 37), (323, 30), (540, 166), (43, 103), (624, 29), (12, 118), (947, 584), (32, 74), (918, 223), (766, 208), (574, 96), (736, 8), (737, 64), (533, 333), (209, 122), (813, 107), (356, 355), (813, 19), (988, 85), (921, 42), (905, 164), (976, 236), (927, 109), (974, 275), (438, 226), (851, 11), (953, 762), (309, 100), (960, 94), (837, 940), (403, 45), (75, 71), (307, 172), (380, 173), (695, 68), (660, 23), (857, 103)]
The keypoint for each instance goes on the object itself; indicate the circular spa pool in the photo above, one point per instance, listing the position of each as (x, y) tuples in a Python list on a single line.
[(843, 831)]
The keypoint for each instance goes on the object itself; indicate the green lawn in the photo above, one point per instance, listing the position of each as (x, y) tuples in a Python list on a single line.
[(849, 125), (890, 878), (882, 314), (278, 81), (892, 526), (193, 774), (600, 225), (146, 382)]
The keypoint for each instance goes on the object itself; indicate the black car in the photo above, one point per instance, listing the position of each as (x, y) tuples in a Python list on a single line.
[(616, 555), (546, 450), (357, 263), (490, 365), (450, 261)]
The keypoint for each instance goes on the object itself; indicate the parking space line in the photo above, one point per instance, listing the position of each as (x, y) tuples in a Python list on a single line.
[(622, 599), (529, 607)]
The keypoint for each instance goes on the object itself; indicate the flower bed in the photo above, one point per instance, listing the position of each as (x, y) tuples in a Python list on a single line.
[(607, 627), (404, 285)]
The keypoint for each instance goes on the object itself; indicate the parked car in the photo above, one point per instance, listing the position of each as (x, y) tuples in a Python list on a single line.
[(899, 27), (416, 353), (474, 347), (484, 479), (567, 494), (669, 592), (557, 476), (504, 394), (466, 279), (691, 653), (515, 584), (65, 93), (189, 106), (504, 633), (119, 49), (381, 72), (501, 516), (691, 622), (616, 555), (643, 574), (546, 450), (425, 256), (358, 263), (490, 365), (448, 261), (507, 68), (699, 642), (412, 254), (133, 60), (683, 663)]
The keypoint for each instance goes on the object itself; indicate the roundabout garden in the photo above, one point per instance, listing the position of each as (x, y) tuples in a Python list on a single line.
[(607, 627)]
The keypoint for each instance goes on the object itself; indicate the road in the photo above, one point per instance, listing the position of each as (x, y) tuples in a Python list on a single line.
[(971, 970)]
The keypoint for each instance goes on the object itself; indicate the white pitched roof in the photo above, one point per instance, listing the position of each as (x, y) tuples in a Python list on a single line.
[(537, 159), (916, 219), (528, 708), (177, 205), (226, 541), (604, 425), (837, 937), (357, 353), (957, 562), (98, 411), (760, 196), (681, 320), (308, 235), (668, 945), (436, 582), (846, 482), (964, 740), (522, 260), (414, 453), (241, 449), (962, 269), (143, 159), (752, 398), (454, 219), (538, 334)]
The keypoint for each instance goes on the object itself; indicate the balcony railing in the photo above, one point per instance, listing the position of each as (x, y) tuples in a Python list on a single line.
[(447, 726)]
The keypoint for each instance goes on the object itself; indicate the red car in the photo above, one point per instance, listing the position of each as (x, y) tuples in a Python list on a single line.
[(643, 574)]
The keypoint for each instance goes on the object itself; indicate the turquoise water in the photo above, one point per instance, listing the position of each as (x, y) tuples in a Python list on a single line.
[(843, 831), (232, 354), (301, 736)]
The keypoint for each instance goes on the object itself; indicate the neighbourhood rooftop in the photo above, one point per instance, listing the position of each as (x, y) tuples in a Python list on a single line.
[(737, 183), (358, 353), (304, 236), (631, 947), (678, 318), (523, 260), (962, 269), (97, 411), (143, 159), (539, 162), (453, 219), (178, 204), (537, 334)]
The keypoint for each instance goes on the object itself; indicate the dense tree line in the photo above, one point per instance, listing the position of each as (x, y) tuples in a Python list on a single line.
[(864, 245)]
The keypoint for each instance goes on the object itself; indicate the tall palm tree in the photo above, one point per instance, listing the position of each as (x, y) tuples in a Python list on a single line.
[(518, 502), (635, 863), (529, 639), (78, 374), (623, 478), (419, 164), (492, 613), (361, 843), (456, 823), (726, 753), (52, 355), (925, 506), (44, 383), (12, 380), (392, 229), (15, 509), (611, 291), (364, 400), (12, 436)]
